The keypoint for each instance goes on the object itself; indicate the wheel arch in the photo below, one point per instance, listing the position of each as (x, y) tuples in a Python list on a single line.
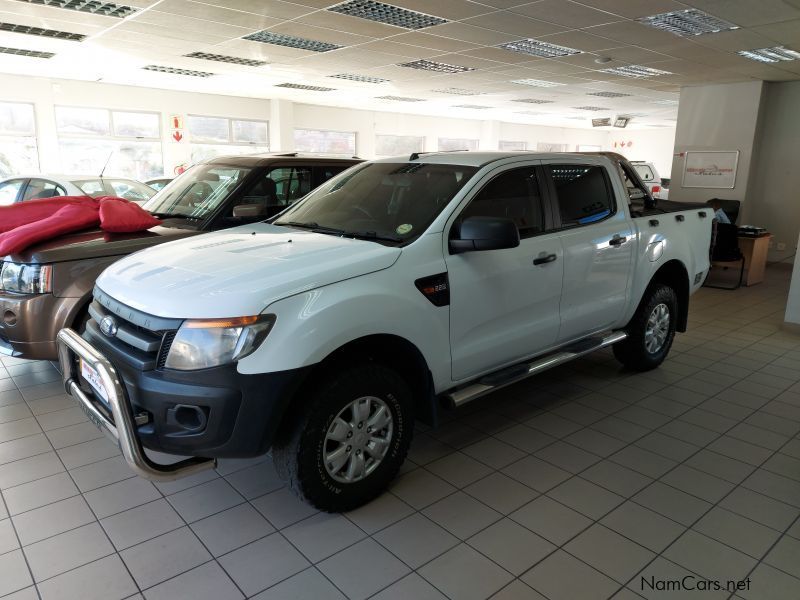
[(673, 273)]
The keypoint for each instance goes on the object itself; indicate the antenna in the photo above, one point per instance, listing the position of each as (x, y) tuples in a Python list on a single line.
[(106, 165)]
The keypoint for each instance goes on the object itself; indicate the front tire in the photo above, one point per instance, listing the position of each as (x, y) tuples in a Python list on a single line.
[(651, 331), (349, 440)]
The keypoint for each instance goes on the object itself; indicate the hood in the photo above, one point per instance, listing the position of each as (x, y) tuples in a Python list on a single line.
[(238, 272)]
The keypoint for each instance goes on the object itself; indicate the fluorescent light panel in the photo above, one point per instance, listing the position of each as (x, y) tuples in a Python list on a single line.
[(360, 78), (538, 48), (176, 71), (533, 101), (665, 102), (770, 55), (28, 53), (608, 94), (536, 83), (291, 41), (635, 71), (601, 122), (233, 60), (107, 9), (590, 108), (400, 98), (457, 92), (388, 14), (302, 86), (38, 31), (471, 106), (688, 22), (438, 67)]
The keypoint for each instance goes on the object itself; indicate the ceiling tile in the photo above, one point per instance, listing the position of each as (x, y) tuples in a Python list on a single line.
[(747, 13), (268, 8), (581, 40), (515, 24), (472, 34), (633, 9), (787, 32), (739, 39), (207, 12), (630, 32), (320, 34), (332, 20), (498, 55), (566, 13), (465, 61), (453, 10), (426, 40), (404, 50), (173, 21), (168, 32)]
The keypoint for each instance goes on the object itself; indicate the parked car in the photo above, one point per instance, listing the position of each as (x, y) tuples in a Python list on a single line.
[(159, 183), (49, 286), (400, 286), (648, 173), (22, 188)]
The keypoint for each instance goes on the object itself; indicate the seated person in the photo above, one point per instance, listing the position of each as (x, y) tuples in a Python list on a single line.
[(719, 214)]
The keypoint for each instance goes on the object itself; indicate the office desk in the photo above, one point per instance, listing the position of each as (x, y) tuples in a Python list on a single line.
[(755, 251)]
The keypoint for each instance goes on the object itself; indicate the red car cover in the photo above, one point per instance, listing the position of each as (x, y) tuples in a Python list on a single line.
[(23, 213), (120, 216), (72, 217)]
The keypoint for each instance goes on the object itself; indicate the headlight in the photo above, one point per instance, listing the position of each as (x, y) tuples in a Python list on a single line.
[(26, 279), (204, 343)]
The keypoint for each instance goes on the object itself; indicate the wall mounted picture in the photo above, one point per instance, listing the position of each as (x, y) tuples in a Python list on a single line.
[(710, 169)]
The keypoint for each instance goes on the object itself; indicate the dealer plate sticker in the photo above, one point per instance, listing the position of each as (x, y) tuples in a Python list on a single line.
[(91, 375)]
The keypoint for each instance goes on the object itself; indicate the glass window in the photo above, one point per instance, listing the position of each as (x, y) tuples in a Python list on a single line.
[(41, 188), (136, 124), (82, 121), (92, 187), (396, 145), (18, 151), (291, 183), (512, 195), (451, 144), (131, 190), (16, 119), (645, 172), (253, 132), (583, 192), (326, 142), (219, 136), (507, 146), (132, 159), (9, 190), (209, 129)]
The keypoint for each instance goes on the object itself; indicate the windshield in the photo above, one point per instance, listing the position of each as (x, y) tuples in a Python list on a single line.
[(394, 201), (198, 192), (645, 172)]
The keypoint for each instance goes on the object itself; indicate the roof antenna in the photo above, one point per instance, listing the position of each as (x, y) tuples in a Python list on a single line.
[(106, 165)]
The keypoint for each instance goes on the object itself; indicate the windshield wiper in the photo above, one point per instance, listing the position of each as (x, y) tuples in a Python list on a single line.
[(372, 235), (312, 225)]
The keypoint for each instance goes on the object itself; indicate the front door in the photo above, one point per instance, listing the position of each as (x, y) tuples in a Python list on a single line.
[(503, 307)]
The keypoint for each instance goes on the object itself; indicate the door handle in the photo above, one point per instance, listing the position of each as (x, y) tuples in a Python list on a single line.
[(543, 260), (617, 240)]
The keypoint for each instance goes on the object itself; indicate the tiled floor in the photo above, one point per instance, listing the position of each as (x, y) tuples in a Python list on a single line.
[(580, 484)]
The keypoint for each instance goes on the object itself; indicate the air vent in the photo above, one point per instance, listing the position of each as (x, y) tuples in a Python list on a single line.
[(770, 55), (28, 53), (430, 65), (38, 31), (537, 48), (388, 14), (536, 83), (361, 78), (471, 106), (290, 41), (400, 98), (107, 9), (457, 92), (533, 101), (233, 60), (636, 71), (309, 88), (601, 122), (590, 108), (176, 71), (607, 94), (688, 22)]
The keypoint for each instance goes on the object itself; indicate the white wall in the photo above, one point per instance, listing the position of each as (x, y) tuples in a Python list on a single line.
[(652, 145)]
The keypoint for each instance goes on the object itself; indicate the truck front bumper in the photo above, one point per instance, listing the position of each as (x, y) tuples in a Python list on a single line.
[(204, 415), (29, 324)]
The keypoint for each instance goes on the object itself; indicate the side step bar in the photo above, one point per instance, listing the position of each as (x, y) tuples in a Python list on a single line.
[(500, 379)]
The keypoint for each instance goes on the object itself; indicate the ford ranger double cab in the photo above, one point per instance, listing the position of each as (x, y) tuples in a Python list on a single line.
[(49, 286), (395, 290)]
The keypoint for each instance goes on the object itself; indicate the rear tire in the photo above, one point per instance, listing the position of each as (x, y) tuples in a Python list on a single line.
[(349, 439), (650, 331)]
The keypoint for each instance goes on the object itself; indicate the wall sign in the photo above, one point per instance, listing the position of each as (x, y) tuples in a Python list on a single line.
[(710, 169)]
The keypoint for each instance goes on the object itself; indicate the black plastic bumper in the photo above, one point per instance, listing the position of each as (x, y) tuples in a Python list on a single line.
[(240, 413)]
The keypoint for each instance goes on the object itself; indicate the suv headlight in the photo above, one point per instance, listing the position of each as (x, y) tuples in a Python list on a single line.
[(204, 343), (26, 279)]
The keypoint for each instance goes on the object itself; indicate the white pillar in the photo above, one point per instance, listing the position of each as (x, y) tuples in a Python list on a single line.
[(281, 125)]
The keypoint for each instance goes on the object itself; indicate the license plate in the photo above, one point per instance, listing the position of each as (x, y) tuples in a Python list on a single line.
[(90, 374)]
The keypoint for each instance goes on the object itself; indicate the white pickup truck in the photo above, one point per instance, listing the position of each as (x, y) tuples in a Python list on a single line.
[(399, 288)]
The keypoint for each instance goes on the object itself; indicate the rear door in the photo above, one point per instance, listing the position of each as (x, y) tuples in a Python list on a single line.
[(42, 188), (503, 306), (597, 238)]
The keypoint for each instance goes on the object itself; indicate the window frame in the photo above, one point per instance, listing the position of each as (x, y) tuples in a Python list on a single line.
[(555, 208)]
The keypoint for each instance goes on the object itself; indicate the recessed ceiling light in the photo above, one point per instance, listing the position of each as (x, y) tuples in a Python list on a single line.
[(770, 55), (291, 41), (400, 98), (176, 71), (471, 106), (386, 13), (602, 60), (536, 83), (688, 22), (608, 94), (361, 78), (533, 100), (590, 108), (227, 59), (107, 9), (457, 92), (537, 48), (636, 71), (302, 86), (438, 67), (38, 31), (28, 53)]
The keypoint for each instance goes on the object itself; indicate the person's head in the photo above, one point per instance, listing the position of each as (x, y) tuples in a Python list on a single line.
[(715, 204)]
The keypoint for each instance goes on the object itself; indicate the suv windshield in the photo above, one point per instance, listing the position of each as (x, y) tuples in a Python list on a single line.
[(198, 192), (391, 201)]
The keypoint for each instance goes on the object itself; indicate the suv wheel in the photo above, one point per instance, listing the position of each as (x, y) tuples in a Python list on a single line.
[(650, 331), (350, 439)]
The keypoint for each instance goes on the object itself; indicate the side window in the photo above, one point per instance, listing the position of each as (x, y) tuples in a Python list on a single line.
[(9, 190), (291, 183), (92, 187), (131, 190), (583, 193), (513, 195), (39, 188)]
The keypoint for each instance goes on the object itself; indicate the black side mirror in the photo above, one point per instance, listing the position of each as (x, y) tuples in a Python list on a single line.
[(485, 233)]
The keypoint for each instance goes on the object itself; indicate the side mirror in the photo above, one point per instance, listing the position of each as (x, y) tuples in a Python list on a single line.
[(636, 194), (249, 211), (485, 233)]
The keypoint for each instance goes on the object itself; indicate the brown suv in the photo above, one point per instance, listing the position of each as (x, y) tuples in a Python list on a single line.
[(49, 286)]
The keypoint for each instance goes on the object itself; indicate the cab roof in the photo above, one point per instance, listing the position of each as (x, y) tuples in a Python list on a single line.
[(476, 159)]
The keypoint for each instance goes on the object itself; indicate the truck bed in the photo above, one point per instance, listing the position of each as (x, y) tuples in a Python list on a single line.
[(663, 207)]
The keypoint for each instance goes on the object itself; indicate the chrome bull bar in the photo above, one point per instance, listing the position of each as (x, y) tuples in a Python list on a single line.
[(122, 430)]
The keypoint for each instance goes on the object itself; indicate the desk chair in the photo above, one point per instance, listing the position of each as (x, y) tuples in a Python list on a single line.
[(725, 251)]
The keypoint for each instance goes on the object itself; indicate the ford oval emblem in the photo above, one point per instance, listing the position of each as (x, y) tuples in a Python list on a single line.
[(108, 326)]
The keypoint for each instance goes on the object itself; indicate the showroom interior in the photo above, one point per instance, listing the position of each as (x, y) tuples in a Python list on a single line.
[(586, 480)]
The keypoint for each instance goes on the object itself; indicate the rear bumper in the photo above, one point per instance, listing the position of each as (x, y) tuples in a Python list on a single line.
[(29, 324)]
